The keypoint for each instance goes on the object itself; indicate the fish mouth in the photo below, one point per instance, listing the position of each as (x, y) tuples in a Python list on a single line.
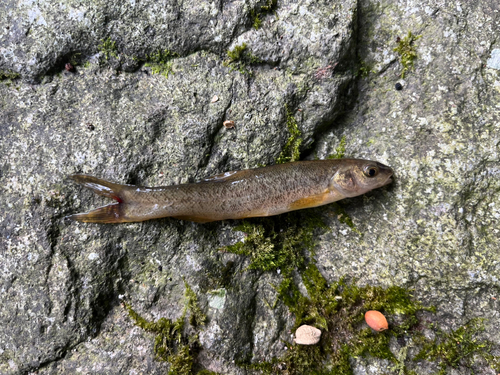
[(388, 181), (388, 171)]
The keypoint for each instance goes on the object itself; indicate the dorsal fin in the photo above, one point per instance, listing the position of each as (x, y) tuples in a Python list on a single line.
[(227, 176)]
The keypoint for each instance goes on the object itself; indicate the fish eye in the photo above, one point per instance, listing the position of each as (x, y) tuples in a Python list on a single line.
[(370, 171)]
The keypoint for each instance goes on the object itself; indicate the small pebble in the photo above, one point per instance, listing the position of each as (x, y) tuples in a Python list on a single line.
[(307, 335), (376, 320), (399, 86), (214, 99)]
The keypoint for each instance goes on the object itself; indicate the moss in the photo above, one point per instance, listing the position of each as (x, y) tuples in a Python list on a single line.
[(8, 75), (337, 309), (277, 244), (161, 62), (172, 344), (339, 150), (372, 343), (324, 301), (270, 6), (75, 59), (401, 357), (364, 69), (264, 9), (108, 48), (291, 150), (298, 360), (407, 52), (240, 59), (258, 245), (168, 333), (181, 363), (197, 317), (460, 347), (257, 22), (237, 52)]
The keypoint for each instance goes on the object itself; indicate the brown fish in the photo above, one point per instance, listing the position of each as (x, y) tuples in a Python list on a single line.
[(256, 192)]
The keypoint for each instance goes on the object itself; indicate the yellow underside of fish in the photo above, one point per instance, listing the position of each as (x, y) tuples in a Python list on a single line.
[(311, 201)]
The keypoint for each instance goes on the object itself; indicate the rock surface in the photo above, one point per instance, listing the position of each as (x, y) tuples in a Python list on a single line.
[(436, 229)]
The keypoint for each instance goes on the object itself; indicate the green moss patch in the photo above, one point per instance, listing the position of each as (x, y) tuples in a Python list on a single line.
[(161, 62), (291, 150), (172, 342), (407, 52), (196, 317), (240, 59), (459, 348), (273, 244), (8, 75), (364, 69), (107, 48), (257, 15), (339, 150)]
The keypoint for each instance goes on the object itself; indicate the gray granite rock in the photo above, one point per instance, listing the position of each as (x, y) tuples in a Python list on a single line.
[(435, 229)]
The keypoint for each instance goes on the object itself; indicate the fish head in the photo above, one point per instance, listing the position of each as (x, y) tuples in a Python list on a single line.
[(356, 177)]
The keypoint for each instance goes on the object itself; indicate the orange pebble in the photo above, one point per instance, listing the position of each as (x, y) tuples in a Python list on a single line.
[(376, 320)]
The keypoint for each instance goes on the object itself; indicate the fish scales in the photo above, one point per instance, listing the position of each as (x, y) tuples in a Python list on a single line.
[(240, 196)]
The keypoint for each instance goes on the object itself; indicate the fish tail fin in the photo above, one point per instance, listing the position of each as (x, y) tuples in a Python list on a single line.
[(112, 213)]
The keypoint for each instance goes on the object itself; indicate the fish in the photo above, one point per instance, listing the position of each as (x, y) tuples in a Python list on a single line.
[(258, 192)]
